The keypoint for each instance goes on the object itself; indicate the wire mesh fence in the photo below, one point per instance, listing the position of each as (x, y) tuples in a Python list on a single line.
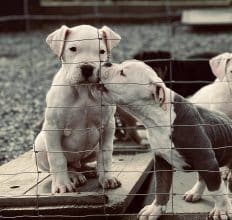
[(36, 204)]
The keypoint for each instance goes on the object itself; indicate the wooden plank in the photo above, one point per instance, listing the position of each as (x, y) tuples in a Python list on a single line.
[(92, 199), (14, 166), (19, 175), (89, 198), (132, 178), (207, 17)]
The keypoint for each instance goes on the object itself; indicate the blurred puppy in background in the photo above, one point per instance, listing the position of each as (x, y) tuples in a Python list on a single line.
[(218, 95)]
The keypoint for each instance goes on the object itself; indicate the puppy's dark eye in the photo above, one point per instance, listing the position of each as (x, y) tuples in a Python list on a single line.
[(73, 49), (122, 73), (102, 51)]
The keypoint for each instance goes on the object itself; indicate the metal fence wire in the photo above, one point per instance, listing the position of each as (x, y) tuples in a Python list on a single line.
[(105, 214)]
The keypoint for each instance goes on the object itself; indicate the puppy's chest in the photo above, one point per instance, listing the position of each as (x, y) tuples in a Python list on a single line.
[(83, 122), (86, 113), (164, 147)]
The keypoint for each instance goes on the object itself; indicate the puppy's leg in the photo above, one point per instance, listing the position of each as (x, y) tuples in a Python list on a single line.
[(223, 208), (196, 192), (41, 159), (40, 153), (104, 157), (164, 173), (61, 182)]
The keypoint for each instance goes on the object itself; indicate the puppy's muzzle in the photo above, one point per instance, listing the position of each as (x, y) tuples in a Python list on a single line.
[(87, 71)]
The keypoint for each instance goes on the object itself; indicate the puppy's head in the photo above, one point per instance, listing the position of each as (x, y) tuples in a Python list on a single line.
[(133, 82), (82, 49), (221, 66)]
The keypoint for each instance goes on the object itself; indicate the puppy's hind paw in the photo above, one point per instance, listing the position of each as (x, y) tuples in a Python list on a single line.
[(63, 187), (77, 178), (109, 183)]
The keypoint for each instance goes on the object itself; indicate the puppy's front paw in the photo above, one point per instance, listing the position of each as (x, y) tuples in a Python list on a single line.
[(151, 212), (192, 196), (62, 184), (222, 212), (109, 182)]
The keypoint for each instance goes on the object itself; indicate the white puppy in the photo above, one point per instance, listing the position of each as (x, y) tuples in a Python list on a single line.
[(175, 131), (76, 125), (217, 96)]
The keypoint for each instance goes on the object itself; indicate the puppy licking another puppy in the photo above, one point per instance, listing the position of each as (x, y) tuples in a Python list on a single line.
[(182, 136)]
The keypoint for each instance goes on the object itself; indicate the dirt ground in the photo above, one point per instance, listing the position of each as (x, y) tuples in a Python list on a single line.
[(27, 66)]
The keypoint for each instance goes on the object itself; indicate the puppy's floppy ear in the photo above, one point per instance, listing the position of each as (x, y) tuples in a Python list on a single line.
[(110, 38), (56, 40), (159, 94), (218, 64)]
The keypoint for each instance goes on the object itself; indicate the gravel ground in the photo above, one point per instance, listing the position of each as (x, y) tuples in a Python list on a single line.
[(27, 66)]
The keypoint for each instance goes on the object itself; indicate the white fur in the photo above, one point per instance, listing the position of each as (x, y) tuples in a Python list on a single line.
[(74, 118)]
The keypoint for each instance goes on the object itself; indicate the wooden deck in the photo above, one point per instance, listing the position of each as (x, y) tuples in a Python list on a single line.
[(25, 191)]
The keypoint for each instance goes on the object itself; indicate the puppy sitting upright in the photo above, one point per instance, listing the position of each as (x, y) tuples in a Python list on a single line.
[(76, 126), (182, 136)]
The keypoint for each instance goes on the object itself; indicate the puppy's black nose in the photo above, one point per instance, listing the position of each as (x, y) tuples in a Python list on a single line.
[(87, 71)]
